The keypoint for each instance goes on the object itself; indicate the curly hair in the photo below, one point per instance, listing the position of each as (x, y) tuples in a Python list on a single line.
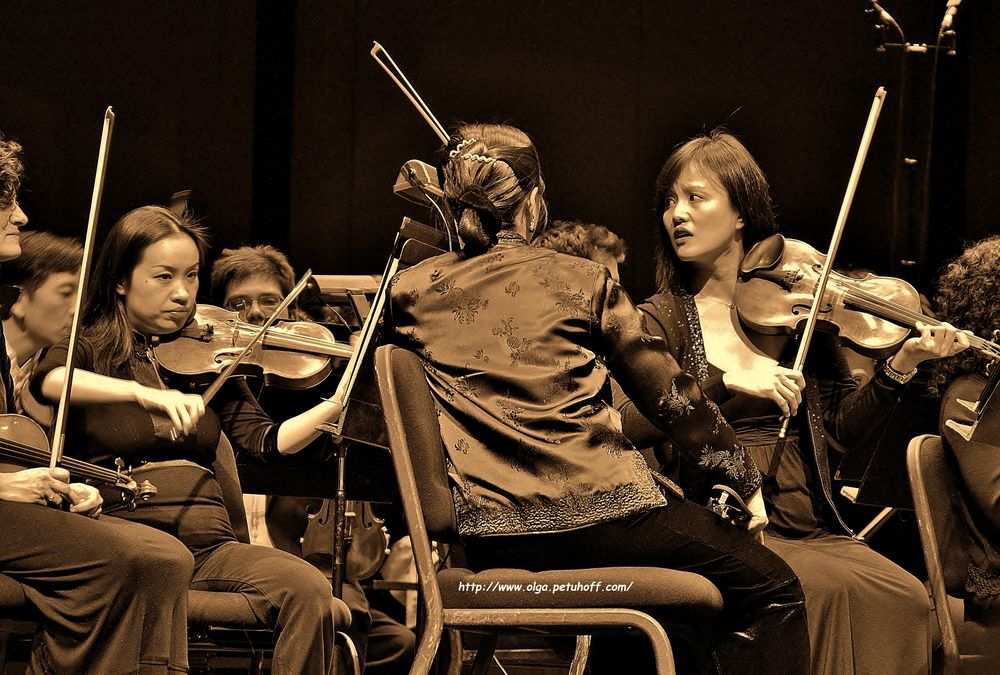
[(581, 239), (489, 173), (967, 293), (11, 169), (721, 154)]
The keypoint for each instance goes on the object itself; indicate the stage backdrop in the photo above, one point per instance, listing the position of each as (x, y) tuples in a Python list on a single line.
[(276, 117)]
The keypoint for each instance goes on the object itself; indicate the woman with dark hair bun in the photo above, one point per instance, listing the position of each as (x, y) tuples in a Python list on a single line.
[(866, 614), (517, 342)]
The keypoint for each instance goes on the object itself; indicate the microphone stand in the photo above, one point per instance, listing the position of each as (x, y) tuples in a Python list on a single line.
[(914, 139)]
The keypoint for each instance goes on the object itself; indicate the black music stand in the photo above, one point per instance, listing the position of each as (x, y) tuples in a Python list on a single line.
[(362, 420)]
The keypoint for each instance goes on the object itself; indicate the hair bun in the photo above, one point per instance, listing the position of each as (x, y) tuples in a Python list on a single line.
[(475, 197)]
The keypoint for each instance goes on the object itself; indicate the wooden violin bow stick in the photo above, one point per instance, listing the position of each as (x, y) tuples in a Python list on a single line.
[(396, 75), (838, 231), (59, 426), (216, 385)]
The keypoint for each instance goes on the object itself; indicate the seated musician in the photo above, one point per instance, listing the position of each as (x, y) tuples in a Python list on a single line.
[(866, 614), (585, 240), (112, 595), (514, 340), (967, 296), (253, 281), (48, 274), (143, 290)]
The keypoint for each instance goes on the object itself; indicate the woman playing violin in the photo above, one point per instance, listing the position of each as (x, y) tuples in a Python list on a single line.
[(146, 279), (967, 293), (113, 593), (866, 615)]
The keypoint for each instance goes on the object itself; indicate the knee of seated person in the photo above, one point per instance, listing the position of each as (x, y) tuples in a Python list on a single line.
[(308, 584), (156, 566)]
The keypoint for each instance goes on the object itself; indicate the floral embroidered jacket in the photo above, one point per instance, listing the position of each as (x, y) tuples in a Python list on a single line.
[(516, 344)]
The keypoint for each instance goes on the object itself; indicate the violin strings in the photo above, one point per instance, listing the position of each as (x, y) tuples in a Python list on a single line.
[(18, 450), (292, 338), (906, 314), (276, 337)]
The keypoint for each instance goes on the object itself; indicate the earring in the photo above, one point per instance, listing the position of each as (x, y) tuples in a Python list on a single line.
[(531, 226)]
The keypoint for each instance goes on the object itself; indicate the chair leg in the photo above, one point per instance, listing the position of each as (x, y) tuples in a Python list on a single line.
[(430, 639), (351, 650), (484, 655), (581, 655), (663, 653), (454, 652)]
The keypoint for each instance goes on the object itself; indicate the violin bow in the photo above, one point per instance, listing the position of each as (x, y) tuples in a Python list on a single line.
[(838, 231), (59, 426), (214, 388), (396, 75)]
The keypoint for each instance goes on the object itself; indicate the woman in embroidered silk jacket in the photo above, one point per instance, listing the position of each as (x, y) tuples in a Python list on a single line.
[(517, 342)]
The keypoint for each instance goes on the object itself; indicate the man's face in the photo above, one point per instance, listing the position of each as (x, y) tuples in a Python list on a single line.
[(254, 298), (12, 219), (47, 312)]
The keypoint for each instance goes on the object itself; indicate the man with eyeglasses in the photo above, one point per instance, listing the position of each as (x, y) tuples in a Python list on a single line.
[(253, 280)]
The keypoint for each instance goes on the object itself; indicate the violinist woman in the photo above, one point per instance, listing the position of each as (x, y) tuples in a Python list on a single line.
[(112, 594), (866, 615), (967, 292), (514, 340), (144, 287)]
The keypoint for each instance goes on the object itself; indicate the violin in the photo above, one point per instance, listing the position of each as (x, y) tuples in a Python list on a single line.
[(874, 315), (24, 444), (365, 531), (291, 354)]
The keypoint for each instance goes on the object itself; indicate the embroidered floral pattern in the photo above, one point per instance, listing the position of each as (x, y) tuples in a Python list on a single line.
[(512, 288), (677, 402), (464, 306)]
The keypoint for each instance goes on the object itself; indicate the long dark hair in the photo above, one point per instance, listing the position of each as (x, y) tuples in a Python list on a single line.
[(104, 319), (489, 172), (967, 292), (720, 153)]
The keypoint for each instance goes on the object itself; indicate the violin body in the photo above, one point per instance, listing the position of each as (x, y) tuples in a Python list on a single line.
[(24, 445), (365, 532), (774, 295), (291, 355)]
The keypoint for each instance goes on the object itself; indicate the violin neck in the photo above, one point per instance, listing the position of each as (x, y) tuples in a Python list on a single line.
[(891, 311), (303, 343), (26, 454)]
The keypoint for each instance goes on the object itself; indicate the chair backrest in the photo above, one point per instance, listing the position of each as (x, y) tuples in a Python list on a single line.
[(943, 533), (418, 460), (933, 478), (407, 400)]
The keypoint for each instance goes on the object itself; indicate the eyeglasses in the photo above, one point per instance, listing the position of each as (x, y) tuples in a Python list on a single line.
[(267, 303)]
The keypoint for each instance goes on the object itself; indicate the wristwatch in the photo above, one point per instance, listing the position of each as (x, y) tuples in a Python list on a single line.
[(897, 376)]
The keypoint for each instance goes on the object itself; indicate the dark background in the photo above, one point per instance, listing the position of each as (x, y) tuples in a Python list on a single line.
[(288, 132)]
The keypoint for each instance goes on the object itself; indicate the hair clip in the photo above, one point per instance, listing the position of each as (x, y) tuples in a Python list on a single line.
[(461, 144)]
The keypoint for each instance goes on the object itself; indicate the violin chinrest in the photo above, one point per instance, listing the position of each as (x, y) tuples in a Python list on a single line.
[(764, 255)]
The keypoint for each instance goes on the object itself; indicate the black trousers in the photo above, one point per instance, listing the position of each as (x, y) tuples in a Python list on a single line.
[(113, 594), (764, 625), (284, 591)]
